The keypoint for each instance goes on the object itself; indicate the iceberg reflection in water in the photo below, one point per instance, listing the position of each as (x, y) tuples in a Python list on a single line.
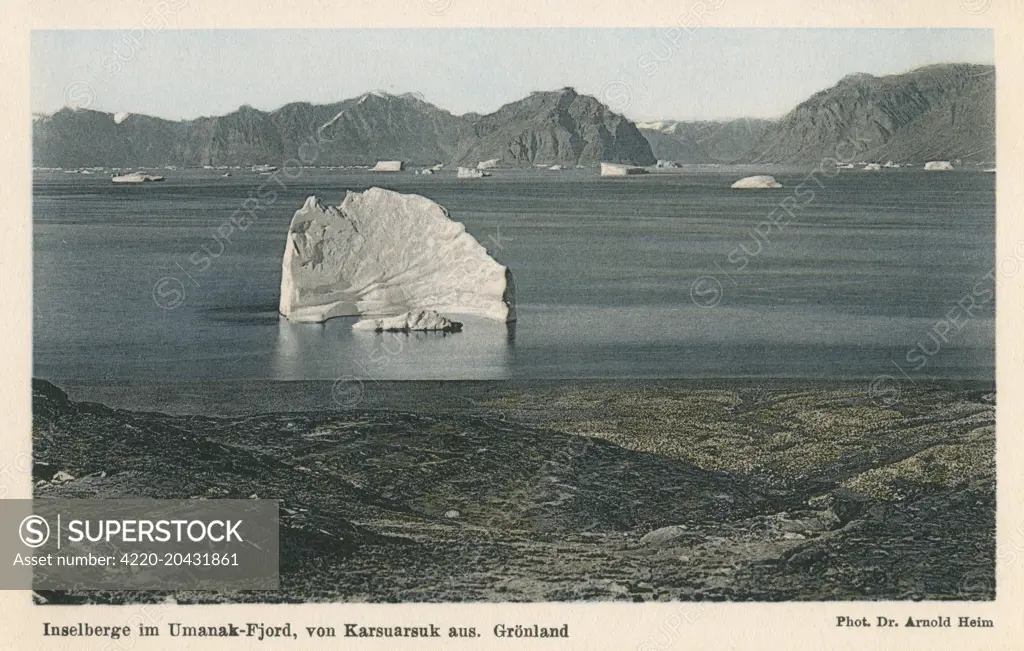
[(333, 349)]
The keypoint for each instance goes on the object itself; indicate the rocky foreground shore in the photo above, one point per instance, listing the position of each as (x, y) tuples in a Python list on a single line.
[(571, 490)]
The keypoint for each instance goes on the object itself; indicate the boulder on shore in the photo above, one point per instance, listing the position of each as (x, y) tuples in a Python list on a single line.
[(664, 535)]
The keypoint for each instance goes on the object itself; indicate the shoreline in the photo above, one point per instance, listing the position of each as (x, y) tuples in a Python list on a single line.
[(258, 396)]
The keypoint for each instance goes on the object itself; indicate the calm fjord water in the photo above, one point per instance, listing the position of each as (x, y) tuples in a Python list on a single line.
[(605, 272)]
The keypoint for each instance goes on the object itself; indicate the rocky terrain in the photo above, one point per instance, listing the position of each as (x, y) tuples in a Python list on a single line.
[(357, 131), (704, 142), (939, 112), (506, 491), (561, 127)]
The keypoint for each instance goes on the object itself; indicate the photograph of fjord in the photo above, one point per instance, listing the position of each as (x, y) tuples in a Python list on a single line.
[(530, 315)]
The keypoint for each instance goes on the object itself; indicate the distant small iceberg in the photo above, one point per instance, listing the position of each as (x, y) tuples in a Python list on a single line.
[(938, 166), (990, 170), (616, 169), (388, 166), (872, 167), (470, 173), (264, 168), (489, 164), (759, 181), (136, 177), (420, 320)]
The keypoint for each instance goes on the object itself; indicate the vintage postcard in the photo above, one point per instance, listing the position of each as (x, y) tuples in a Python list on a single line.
[(439, 326)]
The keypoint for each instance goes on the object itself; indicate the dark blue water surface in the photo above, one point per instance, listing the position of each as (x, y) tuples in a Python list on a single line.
[(664, 275)]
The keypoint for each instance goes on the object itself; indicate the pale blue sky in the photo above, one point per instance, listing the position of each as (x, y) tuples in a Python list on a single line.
[(706, 74)]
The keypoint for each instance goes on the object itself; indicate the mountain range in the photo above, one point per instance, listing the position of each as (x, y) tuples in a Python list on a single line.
[(940, 111), (944, 111)]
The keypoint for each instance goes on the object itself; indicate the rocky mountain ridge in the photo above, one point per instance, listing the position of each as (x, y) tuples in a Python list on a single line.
[(562, 127), (942, 111)]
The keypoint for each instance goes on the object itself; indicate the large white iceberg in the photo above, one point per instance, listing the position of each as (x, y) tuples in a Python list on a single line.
[(384, 253), (425, 320), (489, 164), (938, 166), (616, 169), (756, 182)]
